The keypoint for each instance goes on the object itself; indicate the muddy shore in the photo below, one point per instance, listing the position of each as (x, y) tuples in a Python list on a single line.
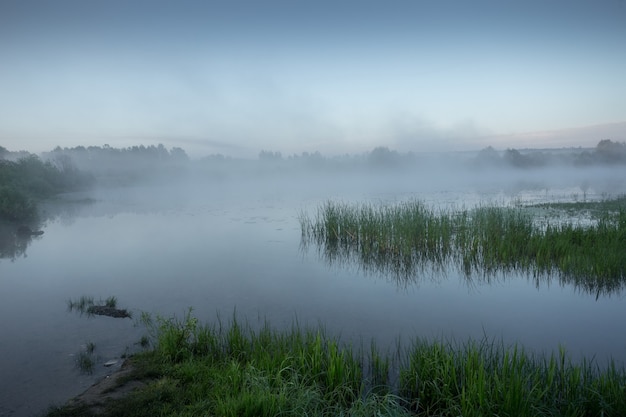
[(111, 387)]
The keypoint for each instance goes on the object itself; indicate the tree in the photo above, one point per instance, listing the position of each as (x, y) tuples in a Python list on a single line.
[(610, 152), (488, 157), (178, 154), (516, 159), (383, 157), (270, 156)]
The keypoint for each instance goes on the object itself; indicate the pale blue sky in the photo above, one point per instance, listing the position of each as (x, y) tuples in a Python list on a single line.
[(236, 77)]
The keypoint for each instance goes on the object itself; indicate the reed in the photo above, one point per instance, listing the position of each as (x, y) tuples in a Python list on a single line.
[(87, 305), (111, 302), (232, 369), (81, 305), (406, 239), (488, 378)]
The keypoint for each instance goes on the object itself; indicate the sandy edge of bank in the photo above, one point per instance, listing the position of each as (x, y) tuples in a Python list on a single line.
[(108, 388)]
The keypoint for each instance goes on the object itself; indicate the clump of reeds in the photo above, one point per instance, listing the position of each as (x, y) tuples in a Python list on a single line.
[(400, 239), (488, 378), (88, 305), (409, 237), (111, 302), (304, 355)]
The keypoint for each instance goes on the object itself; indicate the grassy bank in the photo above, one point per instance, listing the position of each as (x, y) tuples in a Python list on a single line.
[(233, 370), (407, 238)]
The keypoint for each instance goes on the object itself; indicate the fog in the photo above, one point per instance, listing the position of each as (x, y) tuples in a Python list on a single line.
[(596, 170)]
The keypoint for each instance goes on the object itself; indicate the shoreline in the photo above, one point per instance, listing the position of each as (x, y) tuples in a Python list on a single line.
[(108, 388)]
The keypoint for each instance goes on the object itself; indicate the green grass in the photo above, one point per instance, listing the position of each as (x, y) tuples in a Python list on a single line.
[(111, 302), (232, 370), (487, 378), (407, 239)]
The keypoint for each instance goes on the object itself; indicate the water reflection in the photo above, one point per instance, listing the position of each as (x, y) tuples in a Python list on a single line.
[(14, 239), (411, 269)]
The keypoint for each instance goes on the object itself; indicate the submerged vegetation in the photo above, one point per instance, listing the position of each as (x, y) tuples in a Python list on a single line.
[(410, 238), (234, 370)]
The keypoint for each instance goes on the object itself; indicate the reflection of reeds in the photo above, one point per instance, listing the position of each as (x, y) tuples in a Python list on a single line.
[(410, 237), (85, 360), (81, 305)]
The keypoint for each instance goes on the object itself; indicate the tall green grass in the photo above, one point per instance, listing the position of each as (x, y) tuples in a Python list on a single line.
[(408, 238), (487, 378), (233, 370)]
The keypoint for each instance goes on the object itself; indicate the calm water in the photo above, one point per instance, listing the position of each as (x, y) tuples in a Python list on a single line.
[(220, 246)]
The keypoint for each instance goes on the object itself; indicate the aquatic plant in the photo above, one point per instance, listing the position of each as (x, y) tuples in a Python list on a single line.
[(111, 302), (87, 305), (90, 347), (81, 305), (409, 238)]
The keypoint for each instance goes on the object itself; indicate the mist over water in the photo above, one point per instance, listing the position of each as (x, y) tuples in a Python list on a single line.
[(221, 236)]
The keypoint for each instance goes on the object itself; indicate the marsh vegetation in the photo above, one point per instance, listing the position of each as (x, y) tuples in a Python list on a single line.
[(410, 238), (87, 305), (231, 369)]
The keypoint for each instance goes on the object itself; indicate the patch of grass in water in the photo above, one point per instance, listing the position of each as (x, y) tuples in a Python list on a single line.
[(108, 307), (409, 239)]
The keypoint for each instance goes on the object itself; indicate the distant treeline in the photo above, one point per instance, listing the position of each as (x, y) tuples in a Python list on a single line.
[(606, 152), (120, 165)]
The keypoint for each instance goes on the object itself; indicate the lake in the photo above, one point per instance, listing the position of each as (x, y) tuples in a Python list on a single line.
[(235, 244)]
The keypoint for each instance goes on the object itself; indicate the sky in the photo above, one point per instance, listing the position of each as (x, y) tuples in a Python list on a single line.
[(237, 77)]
